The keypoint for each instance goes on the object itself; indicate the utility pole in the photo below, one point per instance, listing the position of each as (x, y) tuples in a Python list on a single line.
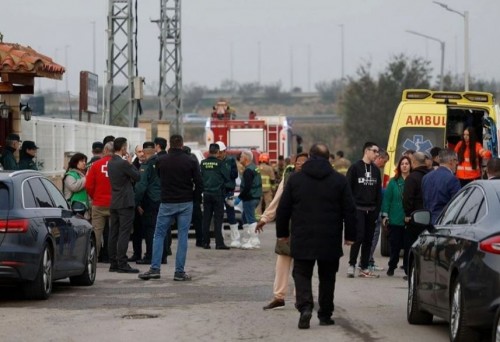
[(342, 53), (291, 68), (442, 45), (120, 103), (93, 45), (170, 91), (259, 63), (464, 15)]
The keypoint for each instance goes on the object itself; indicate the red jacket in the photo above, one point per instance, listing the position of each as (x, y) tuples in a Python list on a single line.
[(98, 185)]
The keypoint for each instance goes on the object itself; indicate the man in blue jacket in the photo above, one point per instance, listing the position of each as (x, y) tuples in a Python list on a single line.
[(440, 185)]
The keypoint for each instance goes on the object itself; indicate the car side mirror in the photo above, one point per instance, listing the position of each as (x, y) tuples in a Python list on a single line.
[(422, 219)]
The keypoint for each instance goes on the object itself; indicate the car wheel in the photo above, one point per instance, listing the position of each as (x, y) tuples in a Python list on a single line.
[(496, 327), (87, 278), (459, 331), (413, 313), (41, 287)]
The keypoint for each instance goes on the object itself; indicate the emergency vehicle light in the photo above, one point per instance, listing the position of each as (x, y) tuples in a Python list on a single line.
[(446, 96), (417, 95), (476, 97)]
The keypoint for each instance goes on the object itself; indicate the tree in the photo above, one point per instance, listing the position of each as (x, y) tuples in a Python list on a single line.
[(192, 95), (247, 90), (329, 91), (369, 104)]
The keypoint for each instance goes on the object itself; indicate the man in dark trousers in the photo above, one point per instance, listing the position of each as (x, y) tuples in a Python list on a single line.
[(122, 175), (366, 185), (319, 202), (161, 149), (180, 182), (214, 181), (413, 199), (147, 199)]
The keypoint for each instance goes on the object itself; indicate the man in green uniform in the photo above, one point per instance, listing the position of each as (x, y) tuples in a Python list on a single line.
[(214, 181), (148, 199)]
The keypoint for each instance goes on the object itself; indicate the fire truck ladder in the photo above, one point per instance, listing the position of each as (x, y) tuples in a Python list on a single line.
[(273, 142)]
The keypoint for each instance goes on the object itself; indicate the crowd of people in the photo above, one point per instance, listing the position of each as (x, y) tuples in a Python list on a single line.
[(320, 202)]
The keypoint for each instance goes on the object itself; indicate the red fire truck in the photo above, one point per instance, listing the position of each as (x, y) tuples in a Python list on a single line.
[(270, 134)]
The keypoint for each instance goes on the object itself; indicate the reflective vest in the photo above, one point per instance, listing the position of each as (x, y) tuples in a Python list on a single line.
[(464, 169), (267, 176)]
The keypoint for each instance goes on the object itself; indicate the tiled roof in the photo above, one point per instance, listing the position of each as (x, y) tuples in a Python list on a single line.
[(15, 58)]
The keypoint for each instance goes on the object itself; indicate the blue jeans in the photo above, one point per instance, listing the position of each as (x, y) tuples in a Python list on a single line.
[(182, 213), (249, 211)]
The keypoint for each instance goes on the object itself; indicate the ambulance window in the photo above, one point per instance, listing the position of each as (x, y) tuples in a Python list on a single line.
[(418, 139)]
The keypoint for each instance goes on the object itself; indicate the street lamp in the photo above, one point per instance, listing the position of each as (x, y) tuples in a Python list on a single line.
[(441, 83), (464, 15)]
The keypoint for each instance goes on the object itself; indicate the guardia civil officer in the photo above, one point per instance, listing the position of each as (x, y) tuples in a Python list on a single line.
[(214, 180)]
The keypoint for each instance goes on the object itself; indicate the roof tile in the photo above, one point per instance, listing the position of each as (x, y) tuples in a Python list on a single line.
[(22, 59)]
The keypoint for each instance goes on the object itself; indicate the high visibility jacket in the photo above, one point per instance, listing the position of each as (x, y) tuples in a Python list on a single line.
[(464, 169), (268, 178)]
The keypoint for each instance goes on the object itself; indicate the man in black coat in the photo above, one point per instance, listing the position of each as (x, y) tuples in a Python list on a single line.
[(319, 202), (122, 175), (413, 199)]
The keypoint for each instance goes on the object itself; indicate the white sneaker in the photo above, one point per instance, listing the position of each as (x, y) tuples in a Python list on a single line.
[(376, 268), (350, 271)]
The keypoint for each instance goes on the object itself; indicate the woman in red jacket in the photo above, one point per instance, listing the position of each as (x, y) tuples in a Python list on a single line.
[(470, 153)]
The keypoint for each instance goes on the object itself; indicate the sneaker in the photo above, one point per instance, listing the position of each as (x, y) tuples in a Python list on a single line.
[(153, 273), (376, 268), (275, 304), (113, 268), (350, 271), (390, 272), (182, 276), (366, 273)]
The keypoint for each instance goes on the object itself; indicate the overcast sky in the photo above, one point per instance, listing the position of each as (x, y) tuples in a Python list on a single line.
[(286, 30)]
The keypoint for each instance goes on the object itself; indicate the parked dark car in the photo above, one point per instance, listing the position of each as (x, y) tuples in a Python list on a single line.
[(455, 264), (41, 238), (496, 325)]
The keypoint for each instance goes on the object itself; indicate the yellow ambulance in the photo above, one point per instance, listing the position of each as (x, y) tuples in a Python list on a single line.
[(427, 118)]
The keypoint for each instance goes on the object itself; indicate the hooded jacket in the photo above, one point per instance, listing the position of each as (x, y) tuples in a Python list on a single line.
[(318, 200)]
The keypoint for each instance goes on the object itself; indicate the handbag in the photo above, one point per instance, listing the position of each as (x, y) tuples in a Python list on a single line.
[(282, 247)]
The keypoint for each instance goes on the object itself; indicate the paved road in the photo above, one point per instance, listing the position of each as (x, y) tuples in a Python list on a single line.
[(223, 302)]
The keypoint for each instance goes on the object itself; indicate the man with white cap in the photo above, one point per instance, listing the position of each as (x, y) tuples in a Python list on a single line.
[(231, 172)]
